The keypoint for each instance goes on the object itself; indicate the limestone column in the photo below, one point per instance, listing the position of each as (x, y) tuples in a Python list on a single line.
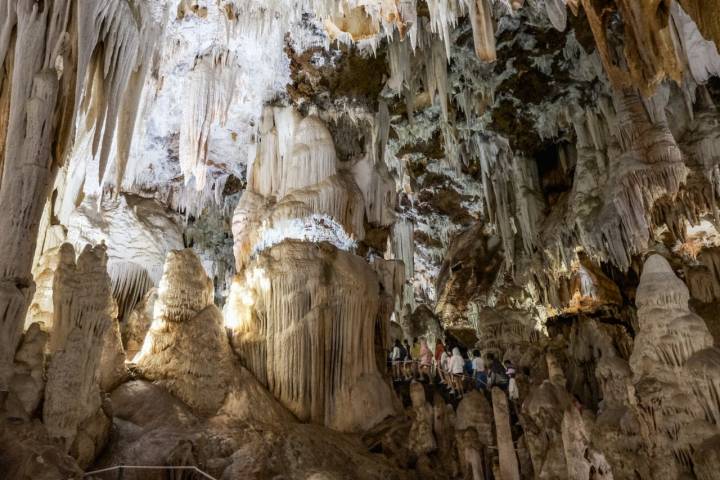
[(509, 469), (28, 156)]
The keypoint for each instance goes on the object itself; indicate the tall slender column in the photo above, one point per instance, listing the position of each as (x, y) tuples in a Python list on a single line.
[(509, 469)]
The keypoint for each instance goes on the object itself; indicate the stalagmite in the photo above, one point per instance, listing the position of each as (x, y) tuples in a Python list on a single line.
[(112, 370), (421, 440), (138, 324), (296, 196), (670, 398), (41, 306), (28, 382), (669, 332), (83, 314), (443, 423), (509, 469), (186, 349), (474, 432)]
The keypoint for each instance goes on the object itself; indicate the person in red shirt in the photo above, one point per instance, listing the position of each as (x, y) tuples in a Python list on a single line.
[(439, 349)]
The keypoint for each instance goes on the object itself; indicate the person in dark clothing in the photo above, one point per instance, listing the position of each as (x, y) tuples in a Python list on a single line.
[(497, 375), (407, 361)]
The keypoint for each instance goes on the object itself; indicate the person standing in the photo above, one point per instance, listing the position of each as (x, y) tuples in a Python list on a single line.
[(478, 367), (457, 364), (395, 359), (443, 369), (407, 360), (425, 359), (415, 355), (497, 375), (513, 391), (439, 350)]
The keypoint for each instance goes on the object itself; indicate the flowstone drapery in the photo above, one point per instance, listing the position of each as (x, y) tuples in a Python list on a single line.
[(303, 309)]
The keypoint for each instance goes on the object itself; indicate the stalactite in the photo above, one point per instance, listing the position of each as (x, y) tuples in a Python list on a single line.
[(211, 89), (130, 283), (703, 13), (557, 13), (60, 51), (701, 55), (371, 173), (483, 31), (649, 55)]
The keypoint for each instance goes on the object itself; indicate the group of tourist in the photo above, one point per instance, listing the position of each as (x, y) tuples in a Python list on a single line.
[(452, 369)]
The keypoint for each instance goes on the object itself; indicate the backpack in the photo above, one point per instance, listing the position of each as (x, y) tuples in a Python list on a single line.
[(496, 379)]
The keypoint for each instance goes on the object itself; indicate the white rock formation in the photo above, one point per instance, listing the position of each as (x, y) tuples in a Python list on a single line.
[(83, 316), (303, 320), (673, 401), (421, 440), (59, 58), (28, 381), (186, 349), (303, 312)]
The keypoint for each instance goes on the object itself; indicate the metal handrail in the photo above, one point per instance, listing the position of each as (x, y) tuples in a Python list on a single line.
[(150, 467)]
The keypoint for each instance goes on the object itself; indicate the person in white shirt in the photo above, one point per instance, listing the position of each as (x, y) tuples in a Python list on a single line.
[(478, 364), (457, 363), (478, 368)]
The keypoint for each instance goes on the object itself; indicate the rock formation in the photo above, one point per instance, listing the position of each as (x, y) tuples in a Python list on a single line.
[(303, 311), (83, 317), (421, 440), (306, 322), (268, 194), (667, 402)]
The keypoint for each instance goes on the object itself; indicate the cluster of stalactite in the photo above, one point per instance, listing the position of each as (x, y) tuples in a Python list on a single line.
[(633, 181), (61, 60)]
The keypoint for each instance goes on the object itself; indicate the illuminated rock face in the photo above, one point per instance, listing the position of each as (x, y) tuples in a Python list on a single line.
[(304, 323), (83, 316), (303, 308), (507, 187), (674, 366), (57, 60), (186, 348)]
